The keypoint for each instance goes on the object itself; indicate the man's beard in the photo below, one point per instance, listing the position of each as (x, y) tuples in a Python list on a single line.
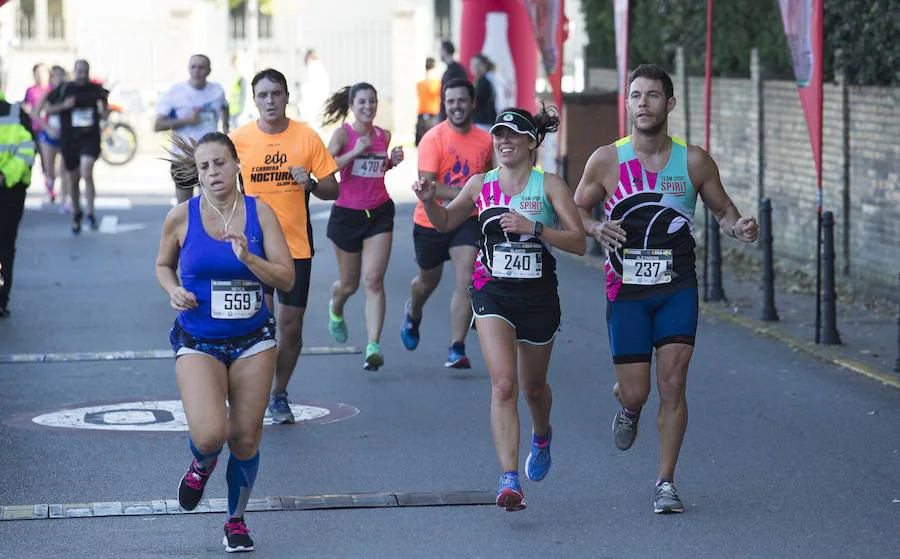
[(653, 130), (466, 120)]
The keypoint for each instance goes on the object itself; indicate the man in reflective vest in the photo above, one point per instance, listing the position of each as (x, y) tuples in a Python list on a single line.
[(16, 157)]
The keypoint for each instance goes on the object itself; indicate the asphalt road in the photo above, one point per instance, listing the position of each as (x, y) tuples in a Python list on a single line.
[(784, 457)]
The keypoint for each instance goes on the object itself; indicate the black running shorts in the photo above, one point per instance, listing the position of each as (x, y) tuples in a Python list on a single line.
[(433, 247), (534, 313), (73, 148), (299, 294), (349, 228)]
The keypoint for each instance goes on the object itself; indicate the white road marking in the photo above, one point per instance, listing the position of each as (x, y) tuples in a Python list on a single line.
[(109, 224), (133, 355), (100, 203), (149, 416), (108, 203)]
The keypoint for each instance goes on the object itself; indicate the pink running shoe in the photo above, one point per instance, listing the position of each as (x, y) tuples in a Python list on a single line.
[(190, 490), (237, 536)]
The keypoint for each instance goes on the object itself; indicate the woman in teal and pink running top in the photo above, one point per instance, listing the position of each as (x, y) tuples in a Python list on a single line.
[(522, 213), (362, 218)]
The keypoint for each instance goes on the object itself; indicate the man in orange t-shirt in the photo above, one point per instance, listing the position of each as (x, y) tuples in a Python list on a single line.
[(429, 93), (280, 162), (449, 154)]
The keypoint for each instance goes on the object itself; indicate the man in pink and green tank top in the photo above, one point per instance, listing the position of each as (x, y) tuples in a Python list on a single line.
[(648, 184)]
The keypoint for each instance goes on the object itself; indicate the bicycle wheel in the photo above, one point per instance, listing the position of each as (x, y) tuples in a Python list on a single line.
[(118, 143)]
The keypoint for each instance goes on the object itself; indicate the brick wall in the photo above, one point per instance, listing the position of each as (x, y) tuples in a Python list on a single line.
[(867, 215)]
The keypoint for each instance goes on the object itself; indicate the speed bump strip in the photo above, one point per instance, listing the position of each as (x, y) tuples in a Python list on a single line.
[(220, 506)]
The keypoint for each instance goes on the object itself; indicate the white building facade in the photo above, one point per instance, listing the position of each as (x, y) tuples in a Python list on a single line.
[(143, 45)]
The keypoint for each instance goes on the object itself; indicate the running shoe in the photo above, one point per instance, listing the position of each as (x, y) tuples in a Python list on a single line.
[(510, 496), (625, 429), (374, 358), (409, 331), (336, 325), (193, 484), (456, 357), (538, 462), (667, 500), (4, 312), (237, 536), (92, 222), (76, 223), (280, 408)]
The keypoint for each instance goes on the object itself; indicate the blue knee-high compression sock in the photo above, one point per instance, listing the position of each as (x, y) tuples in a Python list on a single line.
[(240, 476), (206, 462)]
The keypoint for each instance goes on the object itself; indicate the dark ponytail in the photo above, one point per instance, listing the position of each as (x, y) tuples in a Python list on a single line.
[(545, 121), (338, 105)]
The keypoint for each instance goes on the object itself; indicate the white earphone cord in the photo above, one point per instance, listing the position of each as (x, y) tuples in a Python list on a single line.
[(233, 206)]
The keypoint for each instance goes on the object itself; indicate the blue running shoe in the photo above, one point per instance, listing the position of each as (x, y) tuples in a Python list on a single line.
[(510, 496), (456, 357), (280, 408), (409, 331), (538, 462)]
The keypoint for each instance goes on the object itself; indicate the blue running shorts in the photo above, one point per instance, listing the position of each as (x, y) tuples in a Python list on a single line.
[(225, 350), (636, 327)]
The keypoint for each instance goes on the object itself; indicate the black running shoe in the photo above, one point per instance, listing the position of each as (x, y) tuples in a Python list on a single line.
[(237, 536), (76, 223), (190, 490), (92, 222)]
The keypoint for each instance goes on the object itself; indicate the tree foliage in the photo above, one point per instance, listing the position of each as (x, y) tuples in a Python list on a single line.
[(865, 33)]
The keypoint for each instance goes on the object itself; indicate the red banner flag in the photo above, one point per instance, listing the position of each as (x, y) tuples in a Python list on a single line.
[(620, 11), (551, 29), (803, 27)]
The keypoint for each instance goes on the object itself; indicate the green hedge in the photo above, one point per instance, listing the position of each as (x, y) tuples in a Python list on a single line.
[(864, 33)]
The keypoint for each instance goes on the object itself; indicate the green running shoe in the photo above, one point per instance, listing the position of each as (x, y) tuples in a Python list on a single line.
[(336, 325), (374, 359)]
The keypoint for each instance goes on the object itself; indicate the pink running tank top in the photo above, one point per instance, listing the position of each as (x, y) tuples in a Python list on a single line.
[(362, 179)]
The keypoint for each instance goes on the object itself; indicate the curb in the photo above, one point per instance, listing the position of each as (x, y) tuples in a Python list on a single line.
[(809, 348), (817, 351)]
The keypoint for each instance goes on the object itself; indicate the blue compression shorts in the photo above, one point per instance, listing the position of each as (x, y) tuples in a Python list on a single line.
[(636, 327)]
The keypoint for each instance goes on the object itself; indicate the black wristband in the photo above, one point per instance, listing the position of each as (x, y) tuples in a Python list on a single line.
[(314, 184)]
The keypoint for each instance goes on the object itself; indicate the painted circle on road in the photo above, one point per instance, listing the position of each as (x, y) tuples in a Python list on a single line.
[(168, 416)]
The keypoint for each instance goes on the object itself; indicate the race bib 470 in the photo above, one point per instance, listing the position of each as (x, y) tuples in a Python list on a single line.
[(369, 165)]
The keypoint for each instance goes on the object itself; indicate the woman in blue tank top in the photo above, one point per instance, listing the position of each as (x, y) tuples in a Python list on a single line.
[(228, 245), (522, 212)]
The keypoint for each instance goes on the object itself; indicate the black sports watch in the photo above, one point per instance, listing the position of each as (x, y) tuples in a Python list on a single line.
[(538, 229)]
